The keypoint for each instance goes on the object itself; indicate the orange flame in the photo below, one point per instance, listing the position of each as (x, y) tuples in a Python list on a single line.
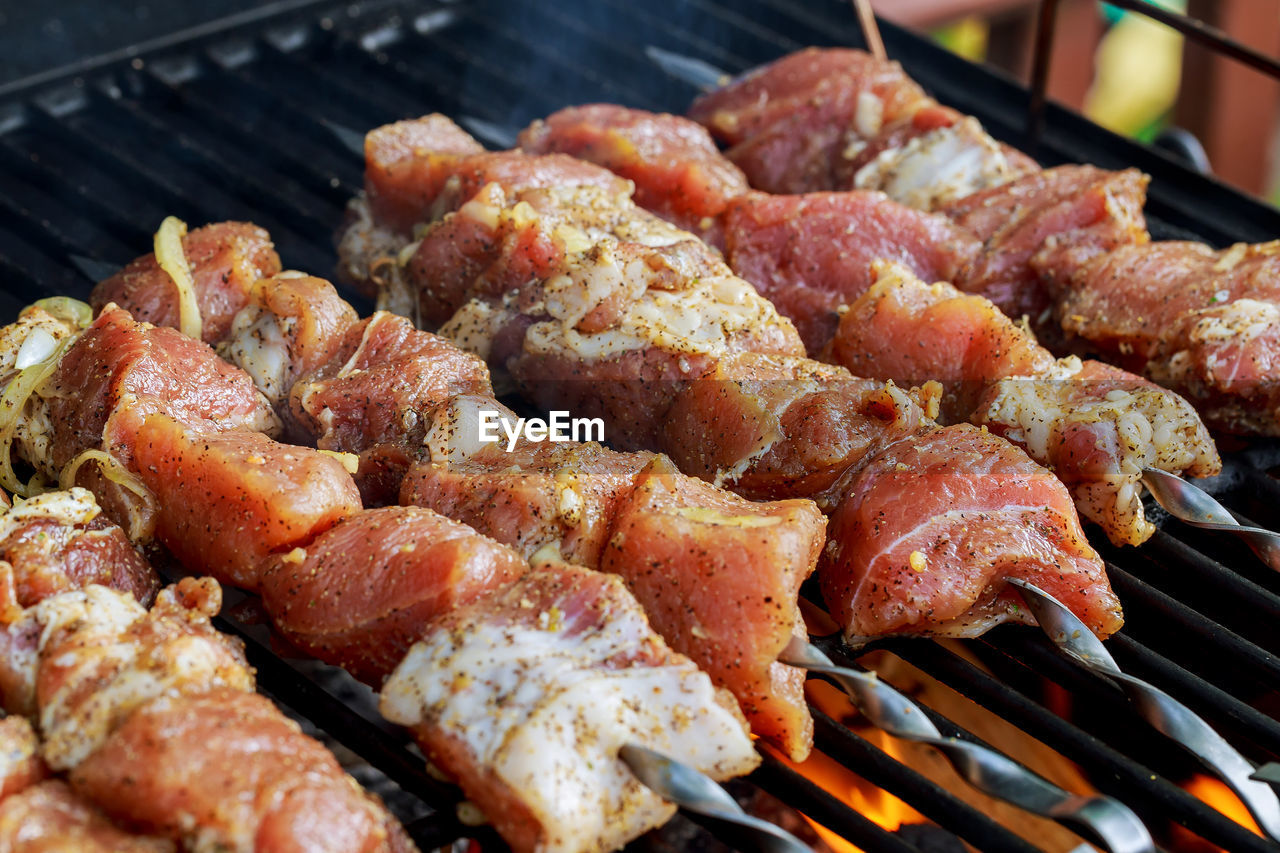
[(1218, 796), (878, 806)]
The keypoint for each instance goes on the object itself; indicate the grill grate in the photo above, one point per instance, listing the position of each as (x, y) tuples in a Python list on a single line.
[(237, 124)]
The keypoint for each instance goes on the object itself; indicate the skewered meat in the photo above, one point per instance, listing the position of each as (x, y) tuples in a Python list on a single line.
[(812, 253), (613, 326), (1095, 426), (370, 392), (795, 125), (231, 257), (564, 495), (232, 499), (773, 427), (762, 553), (106, 383), (568, 495), (968, 510), (43, 815), (572, 672), (407, 567), (49, 817), (20, 763), (59, 541), (808, 254), (229, 764), (326, 602), (498, 262), (278, 355), (103, 676), (235, 498), (1203, 322), (1086, 210), (909, 331), (678, 171), (840, 119), (548, 507), (402, 175)]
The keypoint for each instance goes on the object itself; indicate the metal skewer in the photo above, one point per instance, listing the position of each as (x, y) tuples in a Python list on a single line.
[(1196, 507), (991, 772), (1166, 714), (697, 792)]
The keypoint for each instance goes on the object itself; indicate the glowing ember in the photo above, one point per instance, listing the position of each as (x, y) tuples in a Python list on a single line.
[(1219, 796), (891, 813), (873, 803)]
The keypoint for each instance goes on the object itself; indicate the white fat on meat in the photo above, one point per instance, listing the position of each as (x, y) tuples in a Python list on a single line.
[(1225, 344), (939, 166), (82, 639), (1138, 427), (544, 707), (454, 434), (69, 507), (701, 320), (474, 326), (259, 345), (671, 306)]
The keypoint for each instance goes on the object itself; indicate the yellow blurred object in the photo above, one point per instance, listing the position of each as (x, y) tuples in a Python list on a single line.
[(966, 37), (1139, 64)]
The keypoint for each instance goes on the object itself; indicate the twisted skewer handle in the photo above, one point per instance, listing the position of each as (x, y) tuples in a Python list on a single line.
[(1195, 506), (989, 771), (688, 788), (1166, 714)]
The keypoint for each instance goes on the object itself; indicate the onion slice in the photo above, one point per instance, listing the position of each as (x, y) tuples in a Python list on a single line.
[(13, 403), (139, 527), (173, 260), (78, 314)]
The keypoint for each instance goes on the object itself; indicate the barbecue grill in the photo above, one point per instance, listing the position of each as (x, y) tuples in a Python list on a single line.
[(246, 120)]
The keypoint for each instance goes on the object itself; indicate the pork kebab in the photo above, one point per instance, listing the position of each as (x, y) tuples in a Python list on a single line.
[(544, 265), (1067, 246), (39, 813), (718, 575), (397, 591), (819, 254), (147, 717)]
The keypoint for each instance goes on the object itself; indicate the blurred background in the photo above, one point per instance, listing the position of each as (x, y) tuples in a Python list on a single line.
[(1123, 70), (1133, 75)]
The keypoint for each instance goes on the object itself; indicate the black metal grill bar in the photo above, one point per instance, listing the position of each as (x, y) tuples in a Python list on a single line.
[(1258, 606), (279, 196), (311, 65), (416, 79), (654, 28), (803, 794), (43, 166), (1099, 706), (930, 799), (1151, 795), (46, 243), (206, 110), (151, 187), (627, 59), (1180, 618), (1212, 703)]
